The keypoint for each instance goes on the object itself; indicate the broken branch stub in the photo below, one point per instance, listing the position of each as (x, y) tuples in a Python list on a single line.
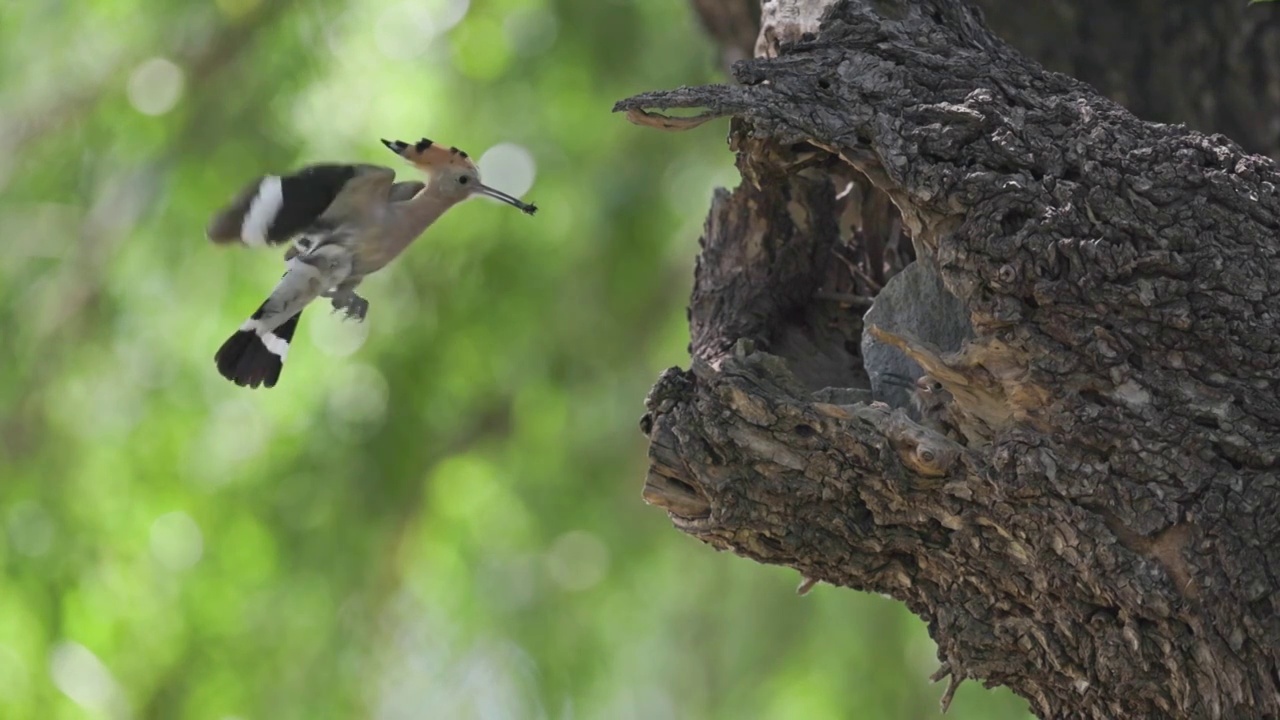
[(666, 122), (1108, 546)]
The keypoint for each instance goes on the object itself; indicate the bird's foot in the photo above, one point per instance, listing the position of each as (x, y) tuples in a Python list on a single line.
[(352, 306)]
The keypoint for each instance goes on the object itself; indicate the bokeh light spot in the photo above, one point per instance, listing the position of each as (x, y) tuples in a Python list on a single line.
[(359, 395), (509, 168), (176, 541), (338, 337), (448, 13), (690, 183), (155, 86), (404, 31), (235, 432), (81, 676)]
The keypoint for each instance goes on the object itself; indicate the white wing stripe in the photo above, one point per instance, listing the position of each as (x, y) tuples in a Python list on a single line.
[(262, 211)]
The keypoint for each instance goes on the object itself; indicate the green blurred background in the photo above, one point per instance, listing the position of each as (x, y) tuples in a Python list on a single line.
[(437, 513)]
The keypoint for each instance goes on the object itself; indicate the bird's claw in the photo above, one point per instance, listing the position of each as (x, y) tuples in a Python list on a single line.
[(353, 308), (357, 309)]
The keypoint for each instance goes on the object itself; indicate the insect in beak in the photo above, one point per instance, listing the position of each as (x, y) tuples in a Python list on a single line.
[(527, 208)]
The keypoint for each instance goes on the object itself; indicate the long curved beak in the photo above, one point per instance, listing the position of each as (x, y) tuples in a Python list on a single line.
[(527, 208)]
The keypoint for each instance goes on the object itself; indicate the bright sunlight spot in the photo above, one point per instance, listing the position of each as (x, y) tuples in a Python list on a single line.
[(155, 86), (176, 541), (509, 168), (79, 674)]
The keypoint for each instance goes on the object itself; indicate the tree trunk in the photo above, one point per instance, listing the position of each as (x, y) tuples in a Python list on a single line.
[(1099, 534), (1212, 65)]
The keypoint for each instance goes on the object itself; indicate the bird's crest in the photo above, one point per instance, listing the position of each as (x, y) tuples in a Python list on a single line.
[(428, 155)]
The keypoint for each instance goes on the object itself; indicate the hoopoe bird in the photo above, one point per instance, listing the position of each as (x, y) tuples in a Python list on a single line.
[(345, 223), (931, 403)]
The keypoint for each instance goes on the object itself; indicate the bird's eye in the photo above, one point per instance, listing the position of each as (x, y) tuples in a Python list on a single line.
[(936, 387), (464, 180)]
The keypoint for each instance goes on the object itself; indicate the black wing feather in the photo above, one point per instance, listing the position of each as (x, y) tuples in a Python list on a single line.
[(306, 194)]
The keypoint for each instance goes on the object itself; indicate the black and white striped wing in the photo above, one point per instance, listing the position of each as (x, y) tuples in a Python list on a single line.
[(274, 208)]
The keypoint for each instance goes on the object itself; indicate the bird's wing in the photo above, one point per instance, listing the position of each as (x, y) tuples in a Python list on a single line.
[(272, 209), (398, 192), (363, 197), (402, 191)]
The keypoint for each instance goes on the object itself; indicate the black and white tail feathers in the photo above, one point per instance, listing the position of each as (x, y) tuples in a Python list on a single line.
[(255, 356), (269, 211), (272, 209)]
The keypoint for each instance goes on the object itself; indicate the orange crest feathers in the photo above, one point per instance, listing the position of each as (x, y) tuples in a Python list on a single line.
[(427, 155)]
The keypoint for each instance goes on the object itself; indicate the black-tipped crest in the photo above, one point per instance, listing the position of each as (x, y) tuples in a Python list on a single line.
[(400, 147), (426, 153), (429, 157)]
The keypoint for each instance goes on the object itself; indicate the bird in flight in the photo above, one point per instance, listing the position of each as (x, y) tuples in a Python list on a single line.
[(343, 222)]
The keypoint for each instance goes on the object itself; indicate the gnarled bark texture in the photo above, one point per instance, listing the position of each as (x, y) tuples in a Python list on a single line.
[(1101, 531), (1212, 65)]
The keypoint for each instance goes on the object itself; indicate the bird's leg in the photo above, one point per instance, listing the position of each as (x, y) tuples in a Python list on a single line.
[(351, 304), (344, 298)]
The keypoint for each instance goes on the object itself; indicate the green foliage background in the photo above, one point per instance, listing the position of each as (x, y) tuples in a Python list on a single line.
[(436, 514)]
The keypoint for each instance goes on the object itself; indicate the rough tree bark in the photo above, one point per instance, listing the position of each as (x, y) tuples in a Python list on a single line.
[(1212, 65), (1102, 538)]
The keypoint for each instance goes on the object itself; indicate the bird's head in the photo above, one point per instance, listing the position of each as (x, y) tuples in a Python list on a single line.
[(929, 385), (452, 172)]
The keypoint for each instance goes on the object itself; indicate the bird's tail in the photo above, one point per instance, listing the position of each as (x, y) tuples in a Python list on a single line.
[(254, 355)]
